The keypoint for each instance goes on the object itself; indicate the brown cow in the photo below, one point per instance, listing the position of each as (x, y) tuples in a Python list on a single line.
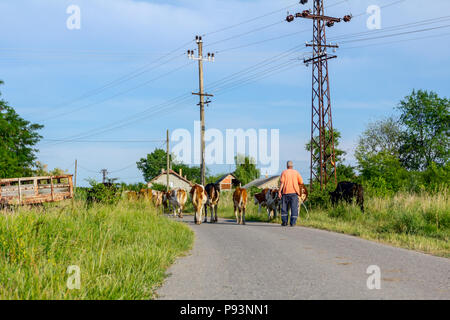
[(240, 203), (213, 194), (145, 194), (260, 199), (132, 195), (177, 199), (199, 198), (165, 200)]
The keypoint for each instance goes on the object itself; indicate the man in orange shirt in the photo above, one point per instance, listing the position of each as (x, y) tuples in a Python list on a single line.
[(288, 193)]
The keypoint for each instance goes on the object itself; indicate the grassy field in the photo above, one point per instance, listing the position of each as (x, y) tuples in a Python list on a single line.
[(417, 222), (122, 251)]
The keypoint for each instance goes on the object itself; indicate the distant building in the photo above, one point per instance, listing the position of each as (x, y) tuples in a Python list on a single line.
[(176, 180), (225, 182), (266, 182)]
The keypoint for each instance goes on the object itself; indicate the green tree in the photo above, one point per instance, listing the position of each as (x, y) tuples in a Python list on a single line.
[(151, 165), (345, 172), (246, 170), (214, 178), (426, 122), (383, 172), (339, 154), (42, 170), (377, 154), (17, 140), (192, 173), (380, 136)]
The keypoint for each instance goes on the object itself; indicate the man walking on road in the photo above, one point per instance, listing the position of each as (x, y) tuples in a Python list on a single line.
[(289, 192)]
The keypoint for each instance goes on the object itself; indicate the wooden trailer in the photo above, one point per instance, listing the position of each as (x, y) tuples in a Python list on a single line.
[(35, 190)]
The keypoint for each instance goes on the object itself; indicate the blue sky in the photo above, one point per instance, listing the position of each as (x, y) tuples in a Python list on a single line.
[(45, 66)]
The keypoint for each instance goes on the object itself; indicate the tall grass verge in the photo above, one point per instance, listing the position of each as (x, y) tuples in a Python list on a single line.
[(122, 250)]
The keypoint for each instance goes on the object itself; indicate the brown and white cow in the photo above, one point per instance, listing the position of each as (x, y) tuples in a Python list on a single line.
[(260, 199), (272, 203), (240, 203), (213, 197), (302, 198), (177, 199), (157, 198), (198, 198)]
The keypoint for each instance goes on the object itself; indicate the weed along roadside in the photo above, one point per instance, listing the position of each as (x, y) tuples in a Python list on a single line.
[(102, 251)]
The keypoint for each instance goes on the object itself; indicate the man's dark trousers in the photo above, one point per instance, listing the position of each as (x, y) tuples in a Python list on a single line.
[(289, 200)]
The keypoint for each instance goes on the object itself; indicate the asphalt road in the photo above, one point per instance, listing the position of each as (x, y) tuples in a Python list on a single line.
[(267, 261)]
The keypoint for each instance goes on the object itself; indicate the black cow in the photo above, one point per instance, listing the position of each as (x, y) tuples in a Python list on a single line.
[(213, 194), (347, 191), (236, 182)]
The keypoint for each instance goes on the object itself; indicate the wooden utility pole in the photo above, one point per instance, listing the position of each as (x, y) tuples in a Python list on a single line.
[(74, 187), (202, 96), (75, 180), (167, 160)]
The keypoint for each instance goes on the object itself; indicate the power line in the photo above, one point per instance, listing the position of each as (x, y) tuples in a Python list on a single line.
[(323, 162), (397, 41), (130, 75), (381, 7), (396, 34), (83, 52), (103, 141), (297, 32), (134, 74), (88, 170), (165, 106), (180, 99), (248, 21), (144, 68), (261, 28), (246, 33), (393, 28), (120, 93), (124, 168), (136, 117)]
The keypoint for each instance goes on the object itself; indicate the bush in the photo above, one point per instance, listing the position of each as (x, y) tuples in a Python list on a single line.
[(102, 193), (159, 187), (437, 177), (320, 198), (408, 223), (133, 187), (254, 190)]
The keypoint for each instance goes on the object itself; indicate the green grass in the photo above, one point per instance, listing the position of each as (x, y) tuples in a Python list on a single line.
[(123, 251), (416, 222)]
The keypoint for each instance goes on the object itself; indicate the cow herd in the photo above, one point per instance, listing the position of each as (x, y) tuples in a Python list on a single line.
[(207, 197), (269, 198), (202, 198)]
